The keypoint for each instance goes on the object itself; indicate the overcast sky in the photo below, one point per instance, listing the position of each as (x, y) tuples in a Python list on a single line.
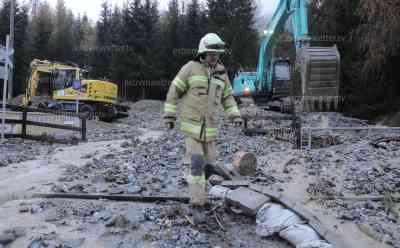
[(92, 7)]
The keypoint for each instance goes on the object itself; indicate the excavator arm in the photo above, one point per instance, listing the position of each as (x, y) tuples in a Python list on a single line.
[(319, 66)]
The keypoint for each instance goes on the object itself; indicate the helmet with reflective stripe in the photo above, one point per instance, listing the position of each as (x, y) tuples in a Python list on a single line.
[(211, 43)]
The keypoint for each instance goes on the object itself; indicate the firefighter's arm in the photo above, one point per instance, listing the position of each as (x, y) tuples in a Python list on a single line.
[(177, 89), (228, 101)]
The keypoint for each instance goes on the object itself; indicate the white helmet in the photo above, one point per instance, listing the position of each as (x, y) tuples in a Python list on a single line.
[(211, 43)]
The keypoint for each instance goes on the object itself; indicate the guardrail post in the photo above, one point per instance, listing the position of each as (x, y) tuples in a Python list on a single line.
[(24, 119)]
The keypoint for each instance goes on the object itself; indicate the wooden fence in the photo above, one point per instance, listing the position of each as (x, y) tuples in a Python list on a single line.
[(25, 122)]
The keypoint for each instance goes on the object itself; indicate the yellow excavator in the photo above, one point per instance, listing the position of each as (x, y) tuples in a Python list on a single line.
[(63, 87)]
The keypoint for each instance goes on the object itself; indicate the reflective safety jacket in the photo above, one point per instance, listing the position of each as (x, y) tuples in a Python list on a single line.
[(202, 90)]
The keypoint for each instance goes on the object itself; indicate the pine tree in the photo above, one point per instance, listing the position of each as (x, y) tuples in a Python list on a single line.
[(40, 31), (104, 25), (21, 55), (61, 40), (233, 20), (193, 25), (101, 54), (173, 44), (116, 27)]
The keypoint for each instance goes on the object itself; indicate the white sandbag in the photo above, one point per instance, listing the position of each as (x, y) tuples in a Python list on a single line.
[(218, 191), (273, 218), (303, 236)]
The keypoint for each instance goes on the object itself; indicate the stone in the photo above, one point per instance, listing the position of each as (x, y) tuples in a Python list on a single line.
[(73, 243), (6, 238), (134, 189), (19, 231), (215, 180), (66, 179), (51, 216), (116, 191), (125, 144), (59, 189), (36, 208), (24, 209), (119, 221), (247, 200), (98, 179)]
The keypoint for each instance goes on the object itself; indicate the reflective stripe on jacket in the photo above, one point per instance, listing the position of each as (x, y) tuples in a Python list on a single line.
[(202, 90)]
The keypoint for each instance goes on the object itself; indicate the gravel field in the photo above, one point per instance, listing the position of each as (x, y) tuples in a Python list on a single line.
[(136, 155)]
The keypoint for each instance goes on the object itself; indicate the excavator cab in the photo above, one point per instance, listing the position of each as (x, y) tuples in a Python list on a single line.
[(282, 78)]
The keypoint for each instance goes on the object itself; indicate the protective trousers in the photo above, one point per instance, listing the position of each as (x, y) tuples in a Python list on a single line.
[(199, 156)]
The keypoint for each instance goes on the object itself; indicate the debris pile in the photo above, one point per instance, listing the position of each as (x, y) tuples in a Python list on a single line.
[(19, 150), (328, 177)]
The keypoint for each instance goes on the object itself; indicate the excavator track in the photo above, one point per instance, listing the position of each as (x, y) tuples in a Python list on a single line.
[(320, 78)]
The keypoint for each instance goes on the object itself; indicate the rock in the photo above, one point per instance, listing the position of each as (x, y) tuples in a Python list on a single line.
[(73, 243), (198, 216), (134, 189), (19, 231), (38, 208), (6, 238), (59, 189), (215, 180), (66, 179), (52, 216), (98, 179), (116, 191), (108, 156), (119, 221), (125, 144), (247, 200), (24, 209), (77, 188)]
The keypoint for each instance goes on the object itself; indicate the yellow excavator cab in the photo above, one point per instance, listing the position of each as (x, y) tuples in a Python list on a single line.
[(62, 86)]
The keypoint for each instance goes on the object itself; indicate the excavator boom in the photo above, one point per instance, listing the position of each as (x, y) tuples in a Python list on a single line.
[(318, 66)]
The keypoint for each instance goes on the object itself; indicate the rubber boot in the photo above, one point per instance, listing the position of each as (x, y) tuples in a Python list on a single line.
[(197, 181)]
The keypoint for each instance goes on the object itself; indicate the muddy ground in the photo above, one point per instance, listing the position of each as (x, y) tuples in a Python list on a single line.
[(136, 155)]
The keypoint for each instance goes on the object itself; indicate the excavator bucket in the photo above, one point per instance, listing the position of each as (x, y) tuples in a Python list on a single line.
[(320, 78)]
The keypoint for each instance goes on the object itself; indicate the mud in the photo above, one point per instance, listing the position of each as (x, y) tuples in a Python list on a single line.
[(138, 156)]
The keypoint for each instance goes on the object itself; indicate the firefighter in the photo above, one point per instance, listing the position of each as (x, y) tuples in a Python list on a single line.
[(203, 85)]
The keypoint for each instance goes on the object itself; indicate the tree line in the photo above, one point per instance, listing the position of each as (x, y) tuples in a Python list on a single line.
[(137, 46), (367, 33), (134, 45)]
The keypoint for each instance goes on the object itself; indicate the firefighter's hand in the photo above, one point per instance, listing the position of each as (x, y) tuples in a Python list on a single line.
[(237, 121), (170, 123)]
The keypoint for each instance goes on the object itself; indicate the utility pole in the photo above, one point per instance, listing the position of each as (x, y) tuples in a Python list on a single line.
[(3, 115), (11, 75)]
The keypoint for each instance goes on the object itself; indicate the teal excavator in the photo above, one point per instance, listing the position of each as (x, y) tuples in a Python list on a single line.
[(317, 68)]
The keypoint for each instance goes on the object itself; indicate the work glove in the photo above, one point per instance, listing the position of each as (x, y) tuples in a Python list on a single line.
[(169, 123), (237, 121)]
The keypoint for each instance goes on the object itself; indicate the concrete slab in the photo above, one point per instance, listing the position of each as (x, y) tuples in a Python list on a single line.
[(247, 200)]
